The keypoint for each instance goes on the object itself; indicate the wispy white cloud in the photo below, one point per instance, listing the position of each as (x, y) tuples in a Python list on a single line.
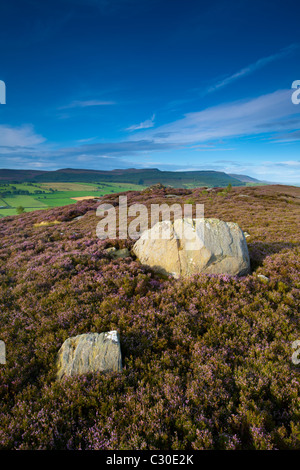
[(84, 141), (266, 114), (142, 125), (19, 137), (289, 137), (87, 103), (284, 171), (286, 51), (107, 156), (247, 70)]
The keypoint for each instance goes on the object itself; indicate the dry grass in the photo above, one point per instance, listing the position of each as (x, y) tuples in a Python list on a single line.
[(46, 223), (82, 198)]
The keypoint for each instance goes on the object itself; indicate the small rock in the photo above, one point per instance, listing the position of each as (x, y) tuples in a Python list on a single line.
[(91, 352), (154, 187), (246, 234), (110, 250), (261, 276)]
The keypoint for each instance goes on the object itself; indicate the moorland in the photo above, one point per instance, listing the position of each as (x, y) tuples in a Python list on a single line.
[(207, 361)]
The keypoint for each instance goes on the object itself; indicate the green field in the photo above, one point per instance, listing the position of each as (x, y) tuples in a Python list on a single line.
[(69, 186), (25, 201), (2, 203), (30, 187), (54, 194), (63, 198)]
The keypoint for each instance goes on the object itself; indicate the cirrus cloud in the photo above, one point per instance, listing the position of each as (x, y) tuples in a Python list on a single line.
[(142, 125), (266, 114), (19, 137)]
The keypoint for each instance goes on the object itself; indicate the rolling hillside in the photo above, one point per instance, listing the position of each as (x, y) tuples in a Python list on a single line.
[(176, 179)]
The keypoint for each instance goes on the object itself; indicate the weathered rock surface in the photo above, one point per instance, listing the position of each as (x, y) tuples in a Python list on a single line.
[(263, 277), (91, 352), (194, 246)]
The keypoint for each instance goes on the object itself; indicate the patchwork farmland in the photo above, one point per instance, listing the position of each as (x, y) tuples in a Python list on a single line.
[(38, 196)]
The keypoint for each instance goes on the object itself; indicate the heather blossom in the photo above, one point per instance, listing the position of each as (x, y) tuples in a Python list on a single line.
[(206, 360)]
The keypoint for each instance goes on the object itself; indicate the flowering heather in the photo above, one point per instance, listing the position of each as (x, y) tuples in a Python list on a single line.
[(206, 360)]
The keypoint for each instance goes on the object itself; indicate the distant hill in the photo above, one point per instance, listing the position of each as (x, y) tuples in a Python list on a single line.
[(247, 179), (18, 176), (244, 178), (145, 177)]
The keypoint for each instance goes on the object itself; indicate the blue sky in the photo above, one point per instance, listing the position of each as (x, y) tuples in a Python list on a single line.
[(168, 84)]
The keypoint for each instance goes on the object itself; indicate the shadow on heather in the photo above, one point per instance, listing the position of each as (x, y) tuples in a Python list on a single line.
[(258, 251)]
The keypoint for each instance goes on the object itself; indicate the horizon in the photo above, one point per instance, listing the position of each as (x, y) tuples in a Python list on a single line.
[(100, 85), (153, 169)]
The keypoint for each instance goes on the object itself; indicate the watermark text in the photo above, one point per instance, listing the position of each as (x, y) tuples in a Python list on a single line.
[(296, 94), (2, 92), (296, 354), (135, 221), (2, 352)]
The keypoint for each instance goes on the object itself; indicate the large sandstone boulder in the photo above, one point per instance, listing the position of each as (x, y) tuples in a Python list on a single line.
[(91, 352), (190, 246)]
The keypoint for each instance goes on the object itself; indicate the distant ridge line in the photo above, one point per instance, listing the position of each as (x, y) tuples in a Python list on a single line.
[(145, 177)]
